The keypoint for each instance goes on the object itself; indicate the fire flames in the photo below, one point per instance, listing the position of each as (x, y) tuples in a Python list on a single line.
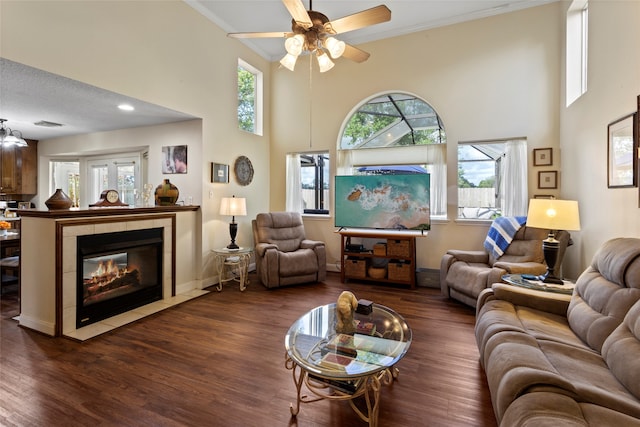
[(107, 271)]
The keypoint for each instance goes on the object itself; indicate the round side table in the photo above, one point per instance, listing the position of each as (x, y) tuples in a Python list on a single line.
[(232, 265)]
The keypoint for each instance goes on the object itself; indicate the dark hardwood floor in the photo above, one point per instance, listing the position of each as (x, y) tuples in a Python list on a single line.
[(218, 360)]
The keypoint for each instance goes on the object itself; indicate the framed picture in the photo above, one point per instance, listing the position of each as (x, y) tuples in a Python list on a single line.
[(24, 205), (174, 159), (622, 153), (542, 156), (219, 173), (548, 180), (543, 196)]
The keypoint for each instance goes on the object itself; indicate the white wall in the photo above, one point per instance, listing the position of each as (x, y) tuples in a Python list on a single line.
[(492, 78), (165, 53), (613, 87)]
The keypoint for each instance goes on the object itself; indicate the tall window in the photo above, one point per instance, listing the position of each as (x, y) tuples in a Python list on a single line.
[(65, 174), (576, 50), (397, 131), (249, 98), (492, 178), (308, 176)]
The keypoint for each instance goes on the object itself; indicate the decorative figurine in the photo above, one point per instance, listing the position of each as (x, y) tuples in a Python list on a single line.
[(346, 305)]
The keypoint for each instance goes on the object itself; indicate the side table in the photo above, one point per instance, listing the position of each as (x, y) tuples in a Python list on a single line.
[(518, 280), (232, 264)]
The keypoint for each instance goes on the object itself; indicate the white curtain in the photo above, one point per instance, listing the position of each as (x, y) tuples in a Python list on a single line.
[(514, 189), (344, 165), (294, 184), (438, 160)]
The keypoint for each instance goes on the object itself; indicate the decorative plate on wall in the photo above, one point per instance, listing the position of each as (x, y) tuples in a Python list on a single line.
[(243, 170)]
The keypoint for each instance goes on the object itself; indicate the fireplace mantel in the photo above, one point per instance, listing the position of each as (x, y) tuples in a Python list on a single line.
[(48, 262)]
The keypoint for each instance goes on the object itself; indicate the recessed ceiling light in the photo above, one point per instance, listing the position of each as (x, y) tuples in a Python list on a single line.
[(126, 107)]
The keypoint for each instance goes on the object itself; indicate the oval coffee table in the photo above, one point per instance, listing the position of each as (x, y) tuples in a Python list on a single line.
[(345, 367)]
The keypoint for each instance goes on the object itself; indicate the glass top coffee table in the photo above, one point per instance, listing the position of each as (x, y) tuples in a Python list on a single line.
[(345, 367)]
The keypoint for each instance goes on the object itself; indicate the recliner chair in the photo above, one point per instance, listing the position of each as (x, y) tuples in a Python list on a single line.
[(464, 274), (284, 256)]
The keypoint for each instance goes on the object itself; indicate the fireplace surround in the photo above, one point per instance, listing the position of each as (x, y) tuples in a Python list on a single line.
[(117, 272)]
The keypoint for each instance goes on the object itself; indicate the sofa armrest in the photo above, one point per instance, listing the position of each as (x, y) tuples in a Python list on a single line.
[(469, 256), (484, 297), (531, 267), (310, 244), (261, 248), (544, 301)]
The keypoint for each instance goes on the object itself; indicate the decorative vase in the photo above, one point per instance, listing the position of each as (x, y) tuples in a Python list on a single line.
[(58, 201), (166, 194)]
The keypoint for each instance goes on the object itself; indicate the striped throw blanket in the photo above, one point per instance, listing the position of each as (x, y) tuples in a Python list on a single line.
[(501, 234)]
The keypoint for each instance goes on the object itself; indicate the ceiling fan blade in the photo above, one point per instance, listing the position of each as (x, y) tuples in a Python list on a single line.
[(280, 34), (355, 54), (372, 16), (298, 12)]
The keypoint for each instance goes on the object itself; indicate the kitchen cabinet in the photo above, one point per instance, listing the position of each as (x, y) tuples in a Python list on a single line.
[(18, 169)]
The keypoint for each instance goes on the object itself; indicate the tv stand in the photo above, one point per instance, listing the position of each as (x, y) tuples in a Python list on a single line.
[(399, 250)]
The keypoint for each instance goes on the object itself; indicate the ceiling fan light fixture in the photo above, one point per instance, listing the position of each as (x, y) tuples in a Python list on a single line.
[(335, 47), (289, 61), (324, 62), (294, 45)]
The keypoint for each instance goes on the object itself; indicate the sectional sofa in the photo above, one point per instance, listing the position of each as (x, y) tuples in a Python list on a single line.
[(559, 360)]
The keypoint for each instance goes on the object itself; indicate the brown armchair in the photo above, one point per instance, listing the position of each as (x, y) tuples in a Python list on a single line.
[(464, 274), (284, 256)]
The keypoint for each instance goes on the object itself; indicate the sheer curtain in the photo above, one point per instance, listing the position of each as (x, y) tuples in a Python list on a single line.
[(294, 184), (514, 194)]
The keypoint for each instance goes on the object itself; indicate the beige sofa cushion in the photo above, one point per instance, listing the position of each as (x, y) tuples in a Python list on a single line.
[(605, 292), (625, 341)]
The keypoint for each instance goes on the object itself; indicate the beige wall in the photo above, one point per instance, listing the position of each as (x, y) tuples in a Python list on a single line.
[(497, 77), (613, 86), (165, 53)]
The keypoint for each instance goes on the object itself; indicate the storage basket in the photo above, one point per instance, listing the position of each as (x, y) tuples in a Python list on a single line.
[(354, 267), (380, 249), (399, 248), (400, 271), (377, 272)]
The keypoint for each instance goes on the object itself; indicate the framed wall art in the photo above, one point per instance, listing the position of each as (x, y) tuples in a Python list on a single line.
[(622, 153), (219, 173), (542, 156), (548, 180), (174, 159)]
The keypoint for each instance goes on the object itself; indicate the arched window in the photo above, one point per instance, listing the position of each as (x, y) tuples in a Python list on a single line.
[(392, 133)]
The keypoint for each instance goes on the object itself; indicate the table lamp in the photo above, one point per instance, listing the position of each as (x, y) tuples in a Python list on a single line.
[(233, 206), (553, 215)]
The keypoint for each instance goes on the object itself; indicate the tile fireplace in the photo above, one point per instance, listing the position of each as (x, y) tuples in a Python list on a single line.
[(117, 272)]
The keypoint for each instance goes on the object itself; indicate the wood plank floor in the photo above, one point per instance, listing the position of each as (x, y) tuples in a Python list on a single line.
[(218, 360)]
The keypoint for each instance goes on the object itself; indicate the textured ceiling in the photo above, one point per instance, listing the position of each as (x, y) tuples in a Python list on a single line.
[(29, 95)]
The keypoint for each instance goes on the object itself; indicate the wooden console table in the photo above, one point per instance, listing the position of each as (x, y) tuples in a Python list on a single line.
[(398, 248)]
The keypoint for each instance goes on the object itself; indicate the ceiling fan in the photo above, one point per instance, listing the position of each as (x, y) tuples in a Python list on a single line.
[(312, 32)]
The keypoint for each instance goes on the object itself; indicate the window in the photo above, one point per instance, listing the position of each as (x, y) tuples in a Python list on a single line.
[(249, 98), (121, 172), (308, 176), (65, 174), (113, 173), (576, 50), (396, 131), (492, 178)]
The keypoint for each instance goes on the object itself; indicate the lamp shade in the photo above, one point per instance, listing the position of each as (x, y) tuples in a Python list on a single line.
[(553, 214), (289, 61), (335, 47), (324, 63), (233, 206), (294, 44)]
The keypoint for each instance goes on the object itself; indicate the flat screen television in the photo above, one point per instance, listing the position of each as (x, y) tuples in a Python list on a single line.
[(389, 202)]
